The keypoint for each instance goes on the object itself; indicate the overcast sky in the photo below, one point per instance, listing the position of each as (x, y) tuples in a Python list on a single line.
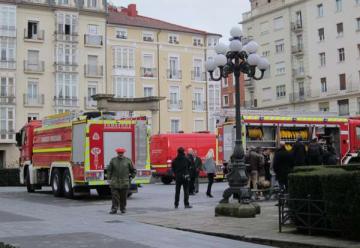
[(209, 15)]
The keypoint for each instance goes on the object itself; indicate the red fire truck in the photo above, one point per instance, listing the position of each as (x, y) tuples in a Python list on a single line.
[(71, 153), (163, 148), (267, 131)]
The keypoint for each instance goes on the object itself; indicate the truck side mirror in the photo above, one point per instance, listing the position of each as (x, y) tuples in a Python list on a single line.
[(18, 139)]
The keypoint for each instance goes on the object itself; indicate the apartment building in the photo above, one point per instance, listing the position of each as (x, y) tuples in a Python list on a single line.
[(52, 57), (149, 57), (314, 50)]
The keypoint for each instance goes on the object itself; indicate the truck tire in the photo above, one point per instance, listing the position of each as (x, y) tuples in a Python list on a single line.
[(166, 180), (56, 183), (68, 187), (103, 191), (29, 187)]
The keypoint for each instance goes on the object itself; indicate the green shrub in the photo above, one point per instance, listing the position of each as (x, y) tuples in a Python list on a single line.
[(339, 187)]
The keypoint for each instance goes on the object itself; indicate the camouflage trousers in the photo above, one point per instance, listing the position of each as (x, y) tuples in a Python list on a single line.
[(119, 197)]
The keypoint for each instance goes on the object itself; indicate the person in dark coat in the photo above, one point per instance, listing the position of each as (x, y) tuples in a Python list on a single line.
[(283, 165), (198, 168), (330, 156), (267, 164), (192, 171), (180, 166), (299, 153), (315, 153)]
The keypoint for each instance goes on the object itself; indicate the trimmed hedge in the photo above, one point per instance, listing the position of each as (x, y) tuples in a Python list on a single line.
[(339, 187), (9, 177)]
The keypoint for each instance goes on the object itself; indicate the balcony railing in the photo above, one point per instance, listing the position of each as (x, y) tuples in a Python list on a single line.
[(8, 64), (35, 1), (300, 96), (34, 68), (90, 103), (7, 95), (148, 39), (93, 40), (148, 72), (33, 101), (60, 101), (175, 105), (65, 66), (174, 74), (198, 75), (297, 49), (296, 26), (299, 73), (6, 31), (66, 37), (198, 106), (94, 70), (249, 83), (34, 37)]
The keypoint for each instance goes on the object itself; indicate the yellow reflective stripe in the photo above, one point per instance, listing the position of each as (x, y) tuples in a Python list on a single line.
[(159, 166), (43, 150), (90, 182), (112, 121), (53, 127), (142, 181)]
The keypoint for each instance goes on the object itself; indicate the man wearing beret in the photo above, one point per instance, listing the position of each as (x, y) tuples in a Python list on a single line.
[(119, 173)]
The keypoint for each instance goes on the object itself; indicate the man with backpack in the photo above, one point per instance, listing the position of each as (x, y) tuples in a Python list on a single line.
[(315, 153)]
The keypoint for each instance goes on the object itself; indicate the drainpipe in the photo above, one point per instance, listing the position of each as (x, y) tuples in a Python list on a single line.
[(158, 73), (207, 85)]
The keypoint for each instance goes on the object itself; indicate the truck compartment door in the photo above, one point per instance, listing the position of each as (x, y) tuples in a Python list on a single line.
[(113, 140)]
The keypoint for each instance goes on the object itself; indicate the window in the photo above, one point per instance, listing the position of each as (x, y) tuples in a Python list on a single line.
[(324, 106), (298, 19), (279, 23), (175, 125), (7, 88), (199, 125), (214, 97), (173, 39), (266, 94), (320, 10), (32, 30), (93, 29), (7, 122), (322, 59), (266, 53), (148, 91), (124, 58), (264, 28), (66, 86), (323, 84), (92, 67), (341, 52), (121, 33), (67, 23), (342, 80), (197, 73), (358, 47), (225, 100), (32, 117), (198, 99), (299, 41), (7, 53), (33, 59), (124, 87), (280, 68), (358, 24), (32, 92), (340, 29), (174, 98), (91, 90), (174, 64), (338, 5), (8, 20), (66, 54), (301, 89), (343, 107), (279, 46), (148, 36), (321, 32), (280, 91), (197, 42), (148, 65), (91, 3)]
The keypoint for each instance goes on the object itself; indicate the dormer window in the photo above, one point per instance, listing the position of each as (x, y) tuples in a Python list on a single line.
[(121, 33), (197, 42), (174, 39), (148, 36)]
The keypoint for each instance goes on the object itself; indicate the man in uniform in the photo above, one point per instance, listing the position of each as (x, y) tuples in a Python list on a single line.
[(119, 172)]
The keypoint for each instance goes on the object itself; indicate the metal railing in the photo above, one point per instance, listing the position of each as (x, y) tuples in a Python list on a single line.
[(148, 72), (66, 37), (148, 39), (89, 103), (94, 70), (297, 49), (296, 26), (65, 66), (7, 94), (175, 105), (198, 106), (34, 68), (299, 73), (36, 37), (30, 100), (174, 74), (66, 101), (93, 40), (8, 64), (198, 75), (35, 1), (299, 96), (6, 31)]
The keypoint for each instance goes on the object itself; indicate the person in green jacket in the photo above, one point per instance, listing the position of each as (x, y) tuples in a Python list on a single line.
[(120, 171)]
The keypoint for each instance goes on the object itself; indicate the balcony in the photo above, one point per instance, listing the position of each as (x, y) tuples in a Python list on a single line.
[(249, 84), (300, 96), (94, 70), (198, 106), (299, 73), (7, 95), (296, 26), (60, 101), (89, 103), (37, 68), (148, 72), (297, 50), (249, 104), (39, 37), (93, 40), (174, 74), (66, 37), (8, 64), (7, 135), (33, 101), (7, 31), (198, 76), (175, 105), (61, 66)]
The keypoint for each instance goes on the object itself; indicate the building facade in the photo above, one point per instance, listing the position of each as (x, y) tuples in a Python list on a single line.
[(314, 50), (52, 61)]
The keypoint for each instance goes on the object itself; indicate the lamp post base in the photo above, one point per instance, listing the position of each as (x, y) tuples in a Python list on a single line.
[(237, 210)]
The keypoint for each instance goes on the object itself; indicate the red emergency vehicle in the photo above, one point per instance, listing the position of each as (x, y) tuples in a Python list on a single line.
[(163, 149), (267, 131), (71, 153)]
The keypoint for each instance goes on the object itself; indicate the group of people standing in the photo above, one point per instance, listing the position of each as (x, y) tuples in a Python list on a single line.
[(186, 168)]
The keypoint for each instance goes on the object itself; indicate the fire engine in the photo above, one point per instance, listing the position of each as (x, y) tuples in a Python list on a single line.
[(266, 131), (163, 148), (70, 153)]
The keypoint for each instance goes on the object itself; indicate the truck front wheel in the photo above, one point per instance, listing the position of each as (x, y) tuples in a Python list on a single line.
[(68, 188), (166, 180), (29, 187), (56, 183)]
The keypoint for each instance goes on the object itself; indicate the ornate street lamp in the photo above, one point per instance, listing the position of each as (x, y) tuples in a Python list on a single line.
[(239, 57)]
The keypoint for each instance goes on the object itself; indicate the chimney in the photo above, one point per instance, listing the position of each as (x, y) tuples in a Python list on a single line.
[(132, 10)]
